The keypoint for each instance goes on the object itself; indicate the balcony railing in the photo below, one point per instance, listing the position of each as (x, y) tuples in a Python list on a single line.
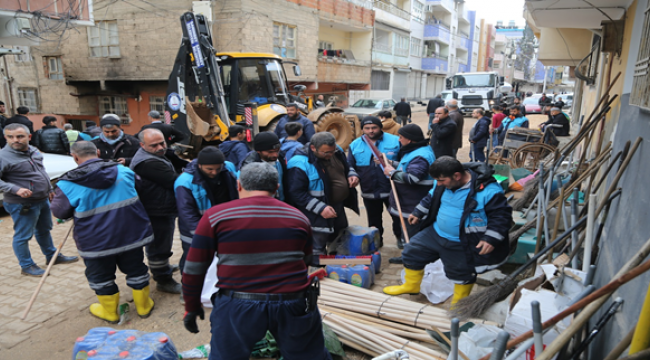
[(401, 52), (463, 34), (447, 4), (383, 48), (390, 8), (363, 3), (435, 64), (437, 30)]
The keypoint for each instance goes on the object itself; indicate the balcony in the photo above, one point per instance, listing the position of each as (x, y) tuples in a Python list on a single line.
[(463, 68), (440, 5), (334, 71), (437, 32), (392, 9), (435, 63), (575, 14), (401, 52), (498, 57), (463, 43), (463, 16), (382, 48)]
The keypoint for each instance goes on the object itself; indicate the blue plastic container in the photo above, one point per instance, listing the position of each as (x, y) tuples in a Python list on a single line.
[(361, 275), (337, 272), (106, 343), (358, 240), (376, 261)]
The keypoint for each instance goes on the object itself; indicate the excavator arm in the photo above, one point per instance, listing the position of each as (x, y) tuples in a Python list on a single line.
[(195, 97)]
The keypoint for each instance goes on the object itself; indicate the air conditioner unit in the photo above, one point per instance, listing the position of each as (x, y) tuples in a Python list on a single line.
[(22, 24)]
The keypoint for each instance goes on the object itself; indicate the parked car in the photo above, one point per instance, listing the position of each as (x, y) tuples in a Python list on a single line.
[(55, 166), (532, 104), (367, 107)]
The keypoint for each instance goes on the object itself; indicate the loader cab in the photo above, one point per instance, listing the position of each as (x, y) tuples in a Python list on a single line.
[(255, 78)]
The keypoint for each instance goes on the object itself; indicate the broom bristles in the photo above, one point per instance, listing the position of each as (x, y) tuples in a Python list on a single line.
[(475, 305)]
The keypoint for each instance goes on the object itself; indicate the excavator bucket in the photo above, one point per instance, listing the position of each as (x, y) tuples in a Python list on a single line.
[(198, 118)]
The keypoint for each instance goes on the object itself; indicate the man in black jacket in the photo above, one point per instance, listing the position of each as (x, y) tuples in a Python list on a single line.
[(443, 133), (50, 139), (403, 112), (479, 135), (92, 129), (557, 117), (157, 196), (171, 134), (113, 143), (21, 118), (267, 148), (434, 103), (458, 118)]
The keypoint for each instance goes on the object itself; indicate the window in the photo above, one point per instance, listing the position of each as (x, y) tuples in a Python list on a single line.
[(382, 41), (418, 11), (27, 56), (416, 47), (103, 39), (27, 97), (54, 68), (325, 45), (380, 80), (640, 94), (157, 103), (284, 40), (401, 45), (114, 105)]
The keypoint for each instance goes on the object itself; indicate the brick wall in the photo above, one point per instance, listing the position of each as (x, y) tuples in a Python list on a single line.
[(343, 73)]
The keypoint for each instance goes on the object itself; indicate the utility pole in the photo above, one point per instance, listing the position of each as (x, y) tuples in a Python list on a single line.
[(545, 73)]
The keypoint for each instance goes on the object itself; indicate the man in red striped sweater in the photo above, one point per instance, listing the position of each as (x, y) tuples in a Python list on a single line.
[(264, 247)]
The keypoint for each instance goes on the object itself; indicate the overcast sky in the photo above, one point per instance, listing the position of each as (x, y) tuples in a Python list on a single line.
[(493, 10)]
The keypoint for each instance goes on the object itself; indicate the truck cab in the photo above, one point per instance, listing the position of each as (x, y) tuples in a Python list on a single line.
[(478, 90)]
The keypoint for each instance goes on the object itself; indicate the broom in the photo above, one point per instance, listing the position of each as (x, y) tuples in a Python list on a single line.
[(476, 304)]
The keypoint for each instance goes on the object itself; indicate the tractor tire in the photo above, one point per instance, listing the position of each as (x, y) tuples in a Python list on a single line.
[(337, 125), (271, 126)]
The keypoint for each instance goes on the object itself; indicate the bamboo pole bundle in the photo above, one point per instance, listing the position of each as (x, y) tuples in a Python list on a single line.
[(375, 341), (346, 297)]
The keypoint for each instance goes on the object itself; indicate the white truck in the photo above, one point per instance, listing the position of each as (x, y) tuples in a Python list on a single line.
[(478, 90)]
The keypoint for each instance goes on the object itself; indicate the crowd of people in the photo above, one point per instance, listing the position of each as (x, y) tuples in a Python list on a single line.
[(263, 215)]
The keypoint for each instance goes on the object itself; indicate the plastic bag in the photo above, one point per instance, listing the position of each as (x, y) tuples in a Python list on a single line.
[(435, 284), (210, 284), (478, 341)]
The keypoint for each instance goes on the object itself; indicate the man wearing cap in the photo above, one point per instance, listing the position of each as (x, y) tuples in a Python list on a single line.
[(171, 134), (443, 133), (92, 129), (375, 186), (235, 148), (294, 115), (207, 181), (410, 173), (113, 143), (157, 195), (50, 139), (266, 147), (322, 184)]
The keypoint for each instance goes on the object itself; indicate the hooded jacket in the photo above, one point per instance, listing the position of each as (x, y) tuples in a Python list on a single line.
[(192, 198), (234, 151), (486, 216), (158, 177), (108, 216), (309, 185), (23, 169), (52, 140)]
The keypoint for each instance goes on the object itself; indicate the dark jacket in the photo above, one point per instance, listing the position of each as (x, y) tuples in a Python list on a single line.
[(51, 139), (486, 216), (559, 104), (443, 135), (433, 104), (310, 187), (411, 178), (23, 169), (124, 148), (3, 121), (158, 177), (460, 123), (289, 147), (374, 184), (308, 129), (21, 119), (283, 193), (93, 131), (402, 108), (544, 100), (481, 132), (169, 132), (559, 119), (193, 198), (234, 151), (108, 217)]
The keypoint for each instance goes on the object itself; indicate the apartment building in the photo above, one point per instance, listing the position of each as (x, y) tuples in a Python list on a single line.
[(486, 47), (121, 64)]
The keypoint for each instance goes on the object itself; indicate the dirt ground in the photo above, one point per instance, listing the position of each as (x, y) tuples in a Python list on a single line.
[(54, 338)]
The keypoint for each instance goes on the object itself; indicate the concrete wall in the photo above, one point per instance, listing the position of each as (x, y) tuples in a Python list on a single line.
[(361, 45), (343, 73)]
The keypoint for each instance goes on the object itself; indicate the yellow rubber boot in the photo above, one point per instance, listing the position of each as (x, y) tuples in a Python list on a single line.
[(411, 285), (460, 292), (143, 303), (106, 309)]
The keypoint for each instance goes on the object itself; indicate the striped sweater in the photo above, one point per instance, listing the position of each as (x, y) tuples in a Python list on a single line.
[(263, 245)]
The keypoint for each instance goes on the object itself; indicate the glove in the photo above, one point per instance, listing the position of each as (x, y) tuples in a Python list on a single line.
[(189, 320)]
